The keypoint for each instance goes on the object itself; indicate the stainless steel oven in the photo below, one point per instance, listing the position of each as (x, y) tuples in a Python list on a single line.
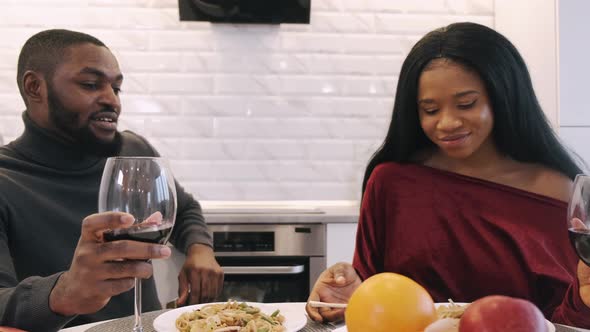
[(269, 262)]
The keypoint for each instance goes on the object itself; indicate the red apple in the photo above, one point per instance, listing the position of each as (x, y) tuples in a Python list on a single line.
[(496, 313)]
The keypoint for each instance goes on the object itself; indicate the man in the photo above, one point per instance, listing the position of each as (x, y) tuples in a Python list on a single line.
[(55, 268)]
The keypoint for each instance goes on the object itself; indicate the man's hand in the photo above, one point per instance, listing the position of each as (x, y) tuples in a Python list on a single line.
[(99, 269), (335, 285), (201, 278)]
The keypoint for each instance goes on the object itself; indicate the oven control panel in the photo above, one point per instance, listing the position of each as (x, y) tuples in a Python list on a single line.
[(243, 241), (231, 240)]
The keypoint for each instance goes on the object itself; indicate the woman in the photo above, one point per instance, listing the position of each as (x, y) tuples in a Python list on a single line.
[(467, 194)]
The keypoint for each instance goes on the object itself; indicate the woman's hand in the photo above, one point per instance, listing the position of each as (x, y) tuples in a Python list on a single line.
[(583, 269), (335, 285), (584, 280)]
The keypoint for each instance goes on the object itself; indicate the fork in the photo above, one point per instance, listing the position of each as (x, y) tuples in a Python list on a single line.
[(318, 304)]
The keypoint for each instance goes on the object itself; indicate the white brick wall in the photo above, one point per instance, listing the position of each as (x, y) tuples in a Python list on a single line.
[(573, 77), (247, 112)]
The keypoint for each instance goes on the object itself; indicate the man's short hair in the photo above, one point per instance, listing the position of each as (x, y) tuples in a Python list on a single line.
[(44, 51)]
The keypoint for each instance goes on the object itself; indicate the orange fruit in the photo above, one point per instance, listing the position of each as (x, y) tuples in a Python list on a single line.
[(389, 302)]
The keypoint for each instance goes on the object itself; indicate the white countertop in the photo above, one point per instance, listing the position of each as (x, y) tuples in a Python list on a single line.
[(217, 212)]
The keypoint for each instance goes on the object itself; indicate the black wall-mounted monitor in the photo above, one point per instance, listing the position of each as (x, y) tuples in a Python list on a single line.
[(246, 11)]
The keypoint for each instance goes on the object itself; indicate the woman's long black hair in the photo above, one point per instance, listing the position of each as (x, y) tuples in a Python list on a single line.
[(521, 130)]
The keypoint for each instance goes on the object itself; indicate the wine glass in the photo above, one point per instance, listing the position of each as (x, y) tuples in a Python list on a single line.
[(143, 187), (577, 217)]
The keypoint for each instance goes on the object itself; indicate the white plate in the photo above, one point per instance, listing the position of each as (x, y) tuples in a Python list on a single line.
[(549, 324), (294, 320)]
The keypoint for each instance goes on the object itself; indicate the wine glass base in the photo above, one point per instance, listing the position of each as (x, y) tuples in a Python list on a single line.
[(138, 329)]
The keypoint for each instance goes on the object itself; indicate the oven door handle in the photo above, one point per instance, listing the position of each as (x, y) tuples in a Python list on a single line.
[(233, 270)]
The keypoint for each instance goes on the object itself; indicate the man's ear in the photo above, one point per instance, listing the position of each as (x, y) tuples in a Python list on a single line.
[(34, 86)]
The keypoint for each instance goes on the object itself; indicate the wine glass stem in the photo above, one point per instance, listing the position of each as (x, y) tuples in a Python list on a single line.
[(138, 327)]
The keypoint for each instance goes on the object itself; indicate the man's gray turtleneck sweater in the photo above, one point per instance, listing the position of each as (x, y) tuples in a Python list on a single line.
[(47, 187)]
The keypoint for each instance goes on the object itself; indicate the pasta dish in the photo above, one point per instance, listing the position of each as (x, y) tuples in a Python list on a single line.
[(229, 317)]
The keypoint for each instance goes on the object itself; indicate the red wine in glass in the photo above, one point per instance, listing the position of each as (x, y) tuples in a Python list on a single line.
[(580, 239), (152, 234)]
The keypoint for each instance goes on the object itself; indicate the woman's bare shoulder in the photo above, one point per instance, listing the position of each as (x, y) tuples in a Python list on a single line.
[(549, 182)]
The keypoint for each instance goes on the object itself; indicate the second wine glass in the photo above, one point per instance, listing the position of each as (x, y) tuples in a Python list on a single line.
[(143, 187), (578, 223)]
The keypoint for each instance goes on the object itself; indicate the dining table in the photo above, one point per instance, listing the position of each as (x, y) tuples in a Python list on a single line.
[(125, 324)]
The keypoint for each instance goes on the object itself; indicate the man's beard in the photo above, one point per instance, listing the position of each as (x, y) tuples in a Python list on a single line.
[(84, 138)]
